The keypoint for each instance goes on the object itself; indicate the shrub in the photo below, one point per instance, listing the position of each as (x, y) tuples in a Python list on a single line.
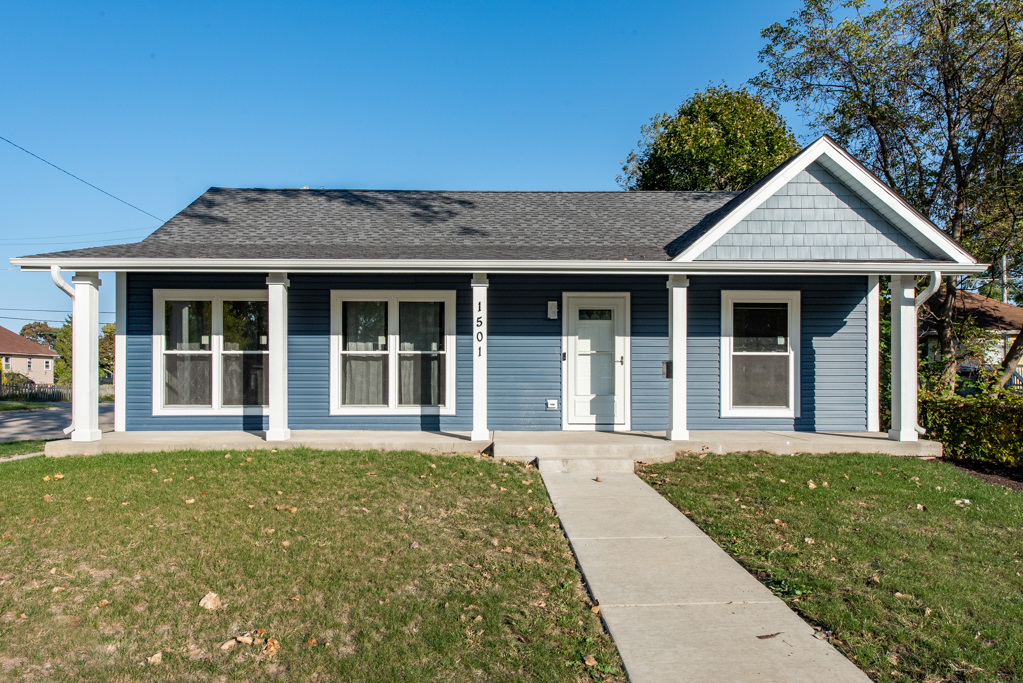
[(983, 427)]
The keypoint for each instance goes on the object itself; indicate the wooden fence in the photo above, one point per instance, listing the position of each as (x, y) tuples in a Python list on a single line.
[(35, 392)]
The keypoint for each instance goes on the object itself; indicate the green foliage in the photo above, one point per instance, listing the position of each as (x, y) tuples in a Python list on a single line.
[(107, 350), (719, 139), (986, 427), (41, 333), (62, 345), (971, 346), (885, 356)]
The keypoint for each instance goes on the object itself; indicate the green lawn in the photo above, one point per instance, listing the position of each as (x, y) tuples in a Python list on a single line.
[(909, 594), (9, 448), (363, 566), (23, 405)]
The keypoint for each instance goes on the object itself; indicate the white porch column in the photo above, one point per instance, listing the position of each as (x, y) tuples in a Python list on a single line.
[(873, 354), (480, 432), (120, 351), (278, 385), (85, 357), (904, 358), (678, 317)]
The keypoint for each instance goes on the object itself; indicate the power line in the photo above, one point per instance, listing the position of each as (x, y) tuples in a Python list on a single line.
[(79, 179), (77, 234), (31, 320)]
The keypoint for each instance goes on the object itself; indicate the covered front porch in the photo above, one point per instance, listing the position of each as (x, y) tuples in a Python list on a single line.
[(557, 450)]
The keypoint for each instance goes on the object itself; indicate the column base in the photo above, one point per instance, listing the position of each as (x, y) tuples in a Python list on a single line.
[(278, 434), (86, 435), (904, 435), (480, 435), (677, 435)]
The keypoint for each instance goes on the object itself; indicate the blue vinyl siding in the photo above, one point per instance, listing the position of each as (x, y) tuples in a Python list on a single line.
[(524, 347), (139, 352), (833, 353), (309, 352)]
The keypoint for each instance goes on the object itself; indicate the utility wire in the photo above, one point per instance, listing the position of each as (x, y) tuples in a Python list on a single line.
[(45, 310), (79, 179)]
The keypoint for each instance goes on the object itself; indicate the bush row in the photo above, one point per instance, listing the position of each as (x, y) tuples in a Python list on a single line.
[(983, 427)]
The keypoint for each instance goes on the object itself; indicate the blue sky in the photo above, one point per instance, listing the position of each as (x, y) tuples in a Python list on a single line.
[(155, 102)]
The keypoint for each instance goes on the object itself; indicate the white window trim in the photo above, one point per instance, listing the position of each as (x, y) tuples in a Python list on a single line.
[(392, 297), (728, 299), (217, 297)]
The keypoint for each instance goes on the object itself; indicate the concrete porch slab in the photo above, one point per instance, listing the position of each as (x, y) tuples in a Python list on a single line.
[(583, 445), (139, 442), (788, 443)]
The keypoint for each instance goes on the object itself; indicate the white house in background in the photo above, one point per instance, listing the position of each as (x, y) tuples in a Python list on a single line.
[(482, 313), (26, 357)]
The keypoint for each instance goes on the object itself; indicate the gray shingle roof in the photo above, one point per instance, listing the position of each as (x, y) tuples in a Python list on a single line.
[(227, 223)]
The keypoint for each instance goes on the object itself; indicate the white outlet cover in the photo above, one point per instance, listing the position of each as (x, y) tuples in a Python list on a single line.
[(552, 404)]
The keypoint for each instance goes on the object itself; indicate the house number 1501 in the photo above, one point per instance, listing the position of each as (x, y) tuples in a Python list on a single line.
[(479, 332)]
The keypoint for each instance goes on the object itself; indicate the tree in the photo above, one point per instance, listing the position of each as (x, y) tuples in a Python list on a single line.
[(39, 332), (927, 94), (62, 345), (106, 350), (719, 139)]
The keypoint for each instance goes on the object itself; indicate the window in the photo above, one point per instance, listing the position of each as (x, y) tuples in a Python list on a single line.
[(7, 363), (46, 365), (390, 352), (211, 351), (30, 365), (759, 354)]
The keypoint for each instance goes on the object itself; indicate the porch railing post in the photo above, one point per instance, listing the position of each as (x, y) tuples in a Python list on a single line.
[(480, 429), (904, 359), (277, 385), (85, 357), (678, 316)]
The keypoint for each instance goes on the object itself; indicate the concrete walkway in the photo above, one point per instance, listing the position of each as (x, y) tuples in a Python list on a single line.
[(678, 607)]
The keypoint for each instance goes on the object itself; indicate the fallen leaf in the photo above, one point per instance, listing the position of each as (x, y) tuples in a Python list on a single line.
[(155, 659), (46, 478), (295, 598), (210, 601), (414, 545), (272, 647), (58, 476), (809, 540), (920, 507), (125, 503), (102, 603), (47, 498), (598, 479), (244, 639), (371, 474), (227, 457), (770, 635), (168, 479), (811, 485), (286, 544), (248, 459), (506, 550), (189, 501), (595, 609), (88, 499), (588, 660), (903, 595), (228, 644), (154, 471)]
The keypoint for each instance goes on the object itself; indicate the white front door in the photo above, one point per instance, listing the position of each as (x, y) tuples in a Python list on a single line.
[(596, 364)]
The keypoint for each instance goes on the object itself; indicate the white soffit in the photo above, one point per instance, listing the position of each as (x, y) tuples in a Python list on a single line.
[(838, 162)]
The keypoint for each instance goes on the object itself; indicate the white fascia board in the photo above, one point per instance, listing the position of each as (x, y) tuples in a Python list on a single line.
[(152, 265), (848, 170)]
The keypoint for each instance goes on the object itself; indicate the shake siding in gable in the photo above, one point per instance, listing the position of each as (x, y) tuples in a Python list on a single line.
[(309, 353), (833, 353), (814, 217), (525, 366), (139, 352)]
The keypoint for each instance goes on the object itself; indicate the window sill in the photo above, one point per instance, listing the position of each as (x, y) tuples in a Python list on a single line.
[(385, 411), (759, 412), (194, 411)]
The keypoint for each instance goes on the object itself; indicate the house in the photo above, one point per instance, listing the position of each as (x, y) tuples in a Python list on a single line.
[(484, 312), (25, 357), (1005, 320)]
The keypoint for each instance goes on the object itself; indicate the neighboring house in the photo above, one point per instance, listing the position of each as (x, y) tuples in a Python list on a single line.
[(26, 357), (472, 312), (1005, 320)]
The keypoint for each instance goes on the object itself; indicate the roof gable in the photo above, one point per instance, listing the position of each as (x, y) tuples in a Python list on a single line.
[(815, 217), (14, 344), (821, 204)]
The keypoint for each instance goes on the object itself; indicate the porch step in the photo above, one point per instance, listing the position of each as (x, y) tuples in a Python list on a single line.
[(585, 446), (592, 465)]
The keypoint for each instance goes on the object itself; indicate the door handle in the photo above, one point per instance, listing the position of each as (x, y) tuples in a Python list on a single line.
[(622, 360)]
